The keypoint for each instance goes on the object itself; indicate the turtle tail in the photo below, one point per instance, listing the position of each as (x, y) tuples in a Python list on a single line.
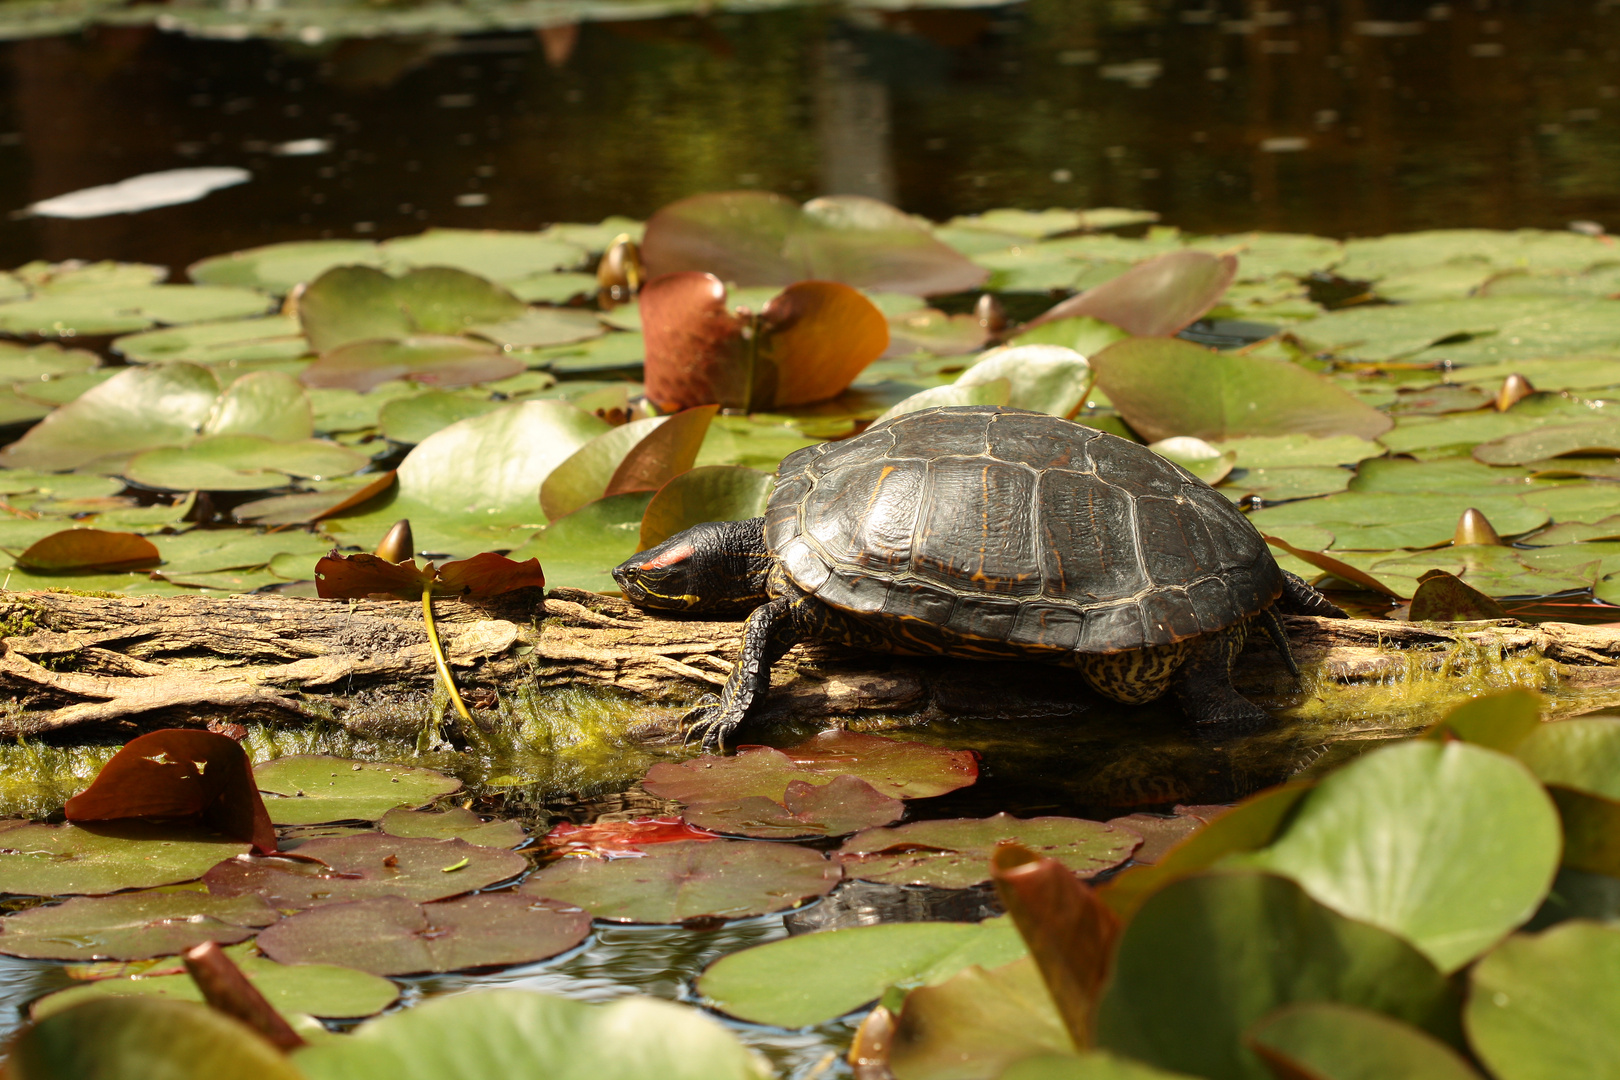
[(1274, 630)]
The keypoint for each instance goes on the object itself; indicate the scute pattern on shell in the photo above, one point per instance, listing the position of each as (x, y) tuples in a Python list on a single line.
[(1016, 529)]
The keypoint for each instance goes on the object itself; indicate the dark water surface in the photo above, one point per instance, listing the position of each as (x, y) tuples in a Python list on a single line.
[(1343, 118)]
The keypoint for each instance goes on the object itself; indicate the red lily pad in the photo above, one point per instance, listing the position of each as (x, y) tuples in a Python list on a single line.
[(332, 870), (89, 549), (846, 805), (392, 936), (757, 238), (955, 853), (1156, 298), (807, 344), (704, 879), (180, 773), (133, 925), (608, 838)]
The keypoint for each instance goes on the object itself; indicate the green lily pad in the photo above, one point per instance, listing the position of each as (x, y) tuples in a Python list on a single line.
[(1386, 840), (539, 327), (1541, 250), (1189, 980), (1577, 760), (1502, 329), (21, 363), (1265, 255), (58, 311), (1377, 521), (269, 337), (706, 493), (812, 978), (315, 789), (269, 404), (1197, 457), (357, 303), (895, 767), (277, 268), (328, 498), (455, 822), (392, 936), (689, 879), (994, 392), (364, 866), (132, 926), (137, 409), (554, 288), (106, 857), (340, 410), (325, 990), (516, 1033), (103, 1038), (1325, 1041), (207, 550), (1164, 387), (1090, 1066), (1554, 440), (977, 1022), (954, 853), (1283, 485), (1546, 1006), (411, 419), (241, 463), (488, 253), (1045, 378), (579, 551), (1459, 475), (61, 389), (431, 360), (610, 352), (844, 806), (1081, 333), (1299, 451), (589, 472)]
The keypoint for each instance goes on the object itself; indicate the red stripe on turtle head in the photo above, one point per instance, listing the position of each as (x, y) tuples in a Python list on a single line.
[(676, 554)]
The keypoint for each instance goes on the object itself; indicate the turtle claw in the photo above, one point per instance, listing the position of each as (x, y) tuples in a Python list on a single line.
[(707, 723)]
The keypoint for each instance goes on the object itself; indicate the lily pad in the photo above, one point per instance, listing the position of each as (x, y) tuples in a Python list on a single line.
[(1385, 840), (993, 392), (844, 806), (103, 1037), (1555, 440), (706, 493), (304, 507), (1196, 456), (693, 879), (241, 463), (516, 1033), (1189, 979), (276, 268), (324, 990), (365, 866), (412, 419), (357, 303), (1379, 521), (639, 456), (1545, 1007), (812, 978), (487, 252), (65, 312), (1294, 451), (1324, 1041), (539, 327), (1045, 378), (954, 853), (268, 337), (38, 363), (426, 359), (132, 926), (315, 789), (579, 551), (455, 822), (268, 404), (88, 549), (976, 1023), (392, 936), (1156, 298), (898, 768), (1164, 387), (756, 238), (107, 857), (1094, 1065), (1577, 760)]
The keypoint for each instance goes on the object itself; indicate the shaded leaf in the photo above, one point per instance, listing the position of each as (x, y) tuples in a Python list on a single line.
[(1579, 761), (305, 507), (954, 853), (1500, 721), (843, 806), (1092, 1066), (670, 883), (431, 361), (107, 857), (975, 1024), (131, 926), (180, 773), (1444, 597), (392, 936), (812, 978), (1156, 298), (357, 303), (706, 493), (333, 870), (316, 788), (89, 549), (1325, 1041)]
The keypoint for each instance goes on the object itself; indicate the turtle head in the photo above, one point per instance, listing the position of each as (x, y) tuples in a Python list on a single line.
[(717, 568)]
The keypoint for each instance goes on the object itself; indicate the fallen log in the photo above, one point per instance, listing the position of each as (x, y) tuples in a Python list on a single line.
[(76, 663)]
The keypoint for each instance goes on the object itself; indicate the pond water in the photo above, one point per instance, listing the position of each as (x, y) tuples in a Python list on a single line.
[(1339, 118)]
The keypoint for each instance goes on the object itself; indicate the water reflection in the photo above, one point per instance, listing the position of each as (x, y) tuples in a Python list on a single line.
[(1340, 118)]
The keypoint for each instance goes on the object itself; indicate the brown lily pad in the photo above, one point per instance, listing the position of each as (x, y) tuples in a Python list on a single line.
[(955, 853)]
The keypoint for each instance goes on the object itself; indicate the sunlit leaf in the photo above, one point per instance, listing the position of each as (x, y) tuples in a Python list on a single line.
[(539, 327), (107, 857), (1157, 298), (1081, 333), (486, 252), (1445, 597), (706, 493), (132, 925), (241, 463), (631, 457), (1591, 438), (335, 870), (993, 392), (1325, 1041), (611, 837), (144, 1040), (1579, 761), (844, 806), (580, 550), (975, 1023), (304, 507), (357, 303), (89, 549), (1043, 378), (270, 404), (954, 853), (454, 822), (431, 361), (233, 341), (1500, 721), (68, 312), (316, 789)]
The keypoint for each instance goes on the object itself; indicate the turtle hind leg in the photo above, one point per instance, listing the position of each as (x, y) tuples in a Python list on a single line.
[(770, 632), (1299, 597), (1203, 687)]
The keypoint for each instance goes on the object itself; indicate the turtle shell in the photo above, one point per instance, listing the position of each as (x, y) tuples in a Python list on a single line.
[(1015, 529)]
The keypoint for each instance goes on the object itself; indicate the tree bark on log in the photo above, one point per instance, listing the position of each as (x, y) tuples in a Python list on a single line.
[(77, 663)]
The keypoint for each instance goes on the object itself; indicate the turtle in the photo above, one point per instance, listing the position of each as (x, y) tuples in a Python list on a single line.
[(988, 533)]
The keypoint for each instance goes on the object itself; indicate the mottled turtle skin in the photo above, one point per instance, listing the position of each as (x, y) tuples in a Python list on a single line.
[(989, 533)]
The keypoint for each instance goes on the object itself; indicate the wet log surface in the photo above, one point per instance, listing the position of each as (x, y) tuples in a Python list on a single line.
[(76, 663)]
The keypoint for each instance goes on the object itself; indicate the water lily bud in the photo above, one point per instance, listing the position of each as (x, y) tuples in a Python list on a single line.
[(289, 306), (869, 1053), (619, 274), (1587, 228), (990, 313), (1515, 388), (1474, 529), (397, 545)]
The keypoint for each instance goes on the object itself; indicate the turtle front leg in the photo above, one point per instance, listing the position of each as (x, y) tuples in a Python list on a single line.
[(770, 632), (1203, 687)]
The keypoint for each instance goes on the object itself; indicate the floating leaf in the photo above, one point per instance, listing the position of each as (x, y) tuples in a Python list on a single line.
[(1379, 521), (513, 1032), (579, 551), (134, 410), (1198, 457), (180, 773), (132, 926), (1324, 1041), (489, 253), (316, 789), (241, 463), (412, 419), (107, 857), (357, 303), (976, 1023), (39, 363), (1092, 1066), (812, 978), (104, 1038), (993, 392), (392, 936), (756, 238), (277, 268), (1444, 597), (331, 498), (1290, 451), (268, 337), (843, 806), (540, 327), (706, 493), (1500, 721), (270, 404), (1557, 440), (1386, 840), (455, 822), (1545, 1007), (1207, 956), (1156, 298), (325, 990), (669, 883), (333, 870), (954, 853), (424, 359), (806, 344), (89, 549), (1043, 378), (56, 311)]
